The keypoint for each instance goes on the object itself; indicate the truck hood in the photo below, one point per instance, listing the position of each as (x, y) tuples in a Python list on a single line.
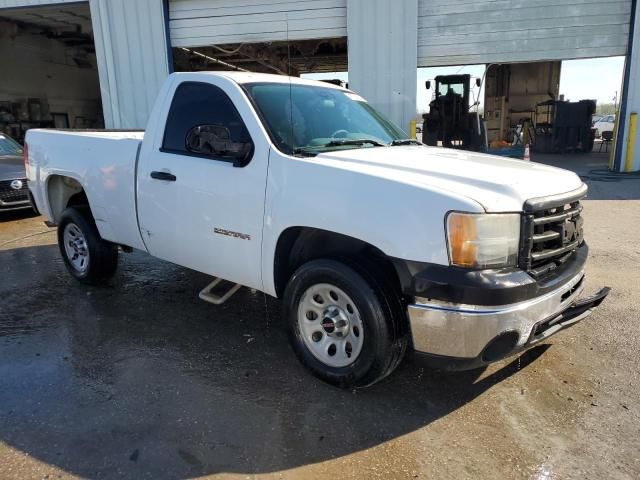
[(11, 167), (498, 184)]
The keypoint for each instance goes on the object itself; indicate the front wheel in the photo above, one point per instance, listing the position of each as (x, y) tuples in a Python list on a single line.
[(343, 324), (88, 257)]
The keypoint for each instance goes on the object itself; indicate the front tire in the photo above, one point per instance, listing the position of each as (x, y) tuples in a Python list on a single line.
[(343, 325), (88, 258)]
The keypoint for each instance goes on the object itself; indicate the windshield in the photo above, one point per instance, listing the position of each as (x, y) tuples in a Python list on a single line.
[(8, 146), (309, 119)]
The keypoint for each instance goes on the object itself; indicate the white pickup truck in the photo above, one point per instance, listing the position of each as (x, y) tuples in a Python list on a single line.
[(300, 189)]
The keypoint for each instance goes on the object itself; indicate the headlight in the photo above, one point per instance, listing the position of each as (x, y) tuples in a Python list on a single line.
[(483, 240)]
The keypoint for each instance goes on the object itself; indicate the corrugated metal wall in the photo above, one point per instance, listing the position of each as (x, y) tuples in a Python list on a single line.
[(131, 48), (31, 3), (382, 55), (196, 23), (482, 31)]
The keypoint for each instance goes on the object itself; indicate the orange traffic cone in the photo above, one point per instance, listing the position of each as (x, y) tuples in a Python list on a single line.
[(527, 155)]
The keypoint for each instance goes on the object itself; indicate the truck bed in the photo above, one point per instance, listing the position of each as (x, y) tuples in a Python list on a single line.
[(116, 134), (103, 162)]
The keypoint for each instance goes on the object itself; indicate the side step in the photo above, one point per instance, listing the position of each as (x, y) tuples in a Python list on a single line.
[(207, 295)]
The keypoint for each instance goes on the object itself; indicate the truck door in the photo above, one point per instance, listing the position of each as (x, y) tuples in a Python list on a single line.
[(201, 183)]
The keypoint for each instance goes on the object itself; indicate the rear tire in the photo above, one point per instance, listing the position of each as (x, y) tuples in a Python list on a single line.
[(430, 138), (344, 324), (89, 258)]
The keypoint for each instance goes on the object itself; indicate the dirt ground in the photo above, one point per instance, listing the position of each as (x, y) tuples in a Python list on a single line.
[(141, 379)]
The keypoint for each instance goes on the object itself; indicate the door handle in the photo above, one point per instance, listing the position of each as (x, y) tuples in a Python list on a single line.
[(166, 176)]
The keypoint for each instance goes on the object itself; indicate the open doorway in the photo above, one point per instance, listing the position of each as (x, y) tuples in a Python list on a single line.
[(557, 108), (279, 57), (49, 71)]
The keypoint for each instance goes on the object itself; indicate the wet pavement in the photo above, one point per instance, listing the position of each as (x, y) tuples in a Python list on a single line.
[(141, 379)]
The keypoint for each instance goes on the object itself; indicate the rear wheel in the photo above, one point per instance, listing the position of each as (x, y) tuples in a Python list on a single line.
[(88, 257), (342, 324), (430, 138)]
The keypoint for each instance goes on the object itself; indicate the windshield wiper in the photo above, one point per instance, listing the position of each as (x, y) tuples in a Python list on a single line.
[(311, 151), (405, 141), (302, 151), (340, 143)]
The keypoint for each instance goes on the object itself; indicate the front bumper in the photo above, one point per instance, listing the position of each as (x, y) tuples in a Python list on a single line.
[(461, 336), (6, 207)]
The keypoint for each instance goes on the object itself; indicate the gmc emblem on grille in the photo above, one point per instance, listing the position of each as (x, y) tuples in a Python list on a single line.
[(16, 184), (571, 231)]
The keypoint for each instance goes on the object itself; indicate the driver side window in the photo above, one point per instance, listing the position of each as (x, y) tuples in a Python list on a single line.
[(204, 122)]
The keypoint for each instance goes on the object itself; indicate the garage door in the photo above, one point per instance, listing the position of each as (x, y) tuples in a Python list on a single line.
[(481, 31), (195, 23)]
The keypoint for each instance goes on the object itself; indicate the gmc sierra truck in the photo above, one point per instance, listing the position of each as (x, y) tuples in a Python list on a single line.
[(374, 242)]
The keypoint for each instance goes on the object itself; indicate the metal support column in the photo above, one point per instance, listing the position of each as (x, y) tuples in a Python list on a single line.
[(383, 55)]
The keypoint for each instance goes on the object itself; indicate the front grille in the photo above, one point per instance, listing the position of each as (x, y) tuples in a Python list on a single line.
[(10, 195), (552, 230)]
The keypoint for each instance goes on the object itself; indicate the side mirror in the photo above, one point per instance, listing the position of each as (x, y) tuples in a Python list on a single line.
[(478, 82), (215, 140), (428, 84)]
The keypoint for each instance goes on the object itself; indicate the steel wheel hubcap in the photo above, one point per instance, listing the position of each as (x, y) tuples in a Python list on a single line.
[(330, 325), (76, 247)]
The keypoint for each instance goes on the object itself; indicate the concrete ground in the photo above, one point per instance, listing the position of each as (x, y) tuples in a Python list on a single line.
[(143, 380)]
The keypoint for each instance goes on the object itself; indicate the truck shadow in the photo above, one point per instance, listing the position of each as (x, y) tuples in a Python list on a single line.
[(140, 378), (13, 215)]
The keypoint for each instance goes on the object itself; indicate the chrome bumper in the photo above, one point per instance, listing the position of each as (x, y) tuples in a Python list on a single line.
[(465, 331)]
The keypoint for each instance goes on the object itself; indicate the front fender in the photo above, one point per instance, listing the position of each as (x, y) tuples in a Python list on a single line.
[(402, 220)]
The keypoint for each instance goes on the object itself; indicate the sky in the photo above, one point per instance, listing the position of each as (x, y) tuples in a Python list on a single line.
[(598, 78)]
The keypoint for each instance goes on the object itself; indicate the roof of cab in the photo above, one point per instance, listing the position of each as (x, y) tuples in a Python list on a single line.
[(251, 77)]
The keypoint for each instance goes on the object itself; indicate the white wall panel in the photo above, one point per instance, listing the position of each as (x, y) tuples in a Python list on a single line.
[(131, 49), (31, 3), (382, 55), (482, 31), (196, 23)]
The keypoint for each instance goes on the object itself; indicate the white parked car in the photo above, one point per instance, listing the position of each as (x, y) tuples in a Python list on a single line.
[(605, 124), (300, 189)]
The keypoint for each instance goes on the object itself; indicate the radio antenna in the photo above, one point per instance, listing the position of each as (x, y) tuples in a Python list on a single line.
[(293, 146)]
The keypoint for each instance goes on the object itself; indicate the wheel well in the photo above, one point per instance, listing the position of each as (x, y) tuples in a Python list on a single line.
[(64, 192), (298, 245)]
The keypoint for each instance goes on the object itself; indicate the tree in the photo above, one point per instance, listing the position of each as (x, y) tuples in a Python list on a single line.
[(606, 109)]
